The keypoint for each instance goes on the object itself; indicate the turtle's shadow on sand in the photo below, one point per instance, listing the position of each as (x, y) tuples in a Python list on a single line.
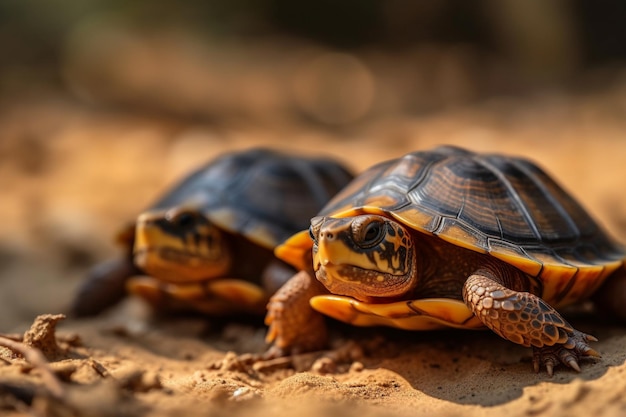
[(462, 367), (480, 368)]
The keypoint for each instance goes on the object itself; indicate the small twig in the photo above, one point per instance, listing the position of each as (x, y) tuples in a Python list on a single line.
[(99, 368), (289, 361), (13, 336), (36, 358)]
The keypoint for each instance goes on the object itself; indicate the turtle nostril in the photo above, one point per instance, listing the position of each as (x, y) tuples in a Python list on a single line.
[(329, 236)]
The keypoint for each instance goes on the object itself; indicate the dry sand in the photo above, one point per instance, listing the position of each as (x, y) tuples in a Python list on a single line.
[(74, 176)]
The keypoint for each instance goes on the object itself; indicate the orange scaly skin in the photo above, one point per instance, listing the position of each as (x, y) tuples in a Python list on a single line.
[(293, 325), (526, 319)]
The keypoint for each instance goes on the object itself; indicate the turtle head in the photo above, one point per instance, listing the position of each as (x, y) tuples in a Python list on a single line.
[(367, 257), (180, 245)]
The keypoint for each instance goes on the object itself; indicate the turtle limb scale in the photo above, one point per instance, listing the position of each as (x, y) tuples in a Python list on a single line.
[(526, 319), (293, 325)]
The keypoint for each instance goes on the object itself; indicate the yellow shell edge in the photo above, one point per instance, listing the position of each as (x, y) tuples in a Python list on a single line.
[(296, 250)]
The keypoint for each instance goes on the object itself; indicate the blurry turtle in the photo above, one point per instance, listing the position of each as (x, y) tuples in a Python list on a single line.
[(207, 244), (448, 238)]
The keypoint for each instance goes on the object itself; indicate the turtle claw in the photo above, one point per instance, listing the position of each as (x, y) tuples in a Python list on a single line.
[(573, 364), (568, 353), (592, 352), (549, 360)]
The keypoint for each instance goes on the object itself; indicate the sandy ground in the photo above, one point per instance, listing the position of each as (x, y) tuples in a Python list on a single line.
[(71, 175)]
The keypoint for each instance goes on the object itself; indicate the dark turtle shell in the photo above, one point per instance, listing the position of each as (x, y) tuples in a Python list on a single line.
[(501, 205), (261, 194)]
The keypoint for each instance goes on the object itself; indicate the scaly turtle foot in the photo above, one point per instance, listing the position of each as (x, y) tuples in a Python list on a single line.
[(568, 353)]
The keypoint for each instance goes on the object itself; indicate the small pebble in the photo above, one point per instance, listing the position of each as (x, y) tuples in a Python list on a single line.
[(245, 394), (357, 367), (324, 365)]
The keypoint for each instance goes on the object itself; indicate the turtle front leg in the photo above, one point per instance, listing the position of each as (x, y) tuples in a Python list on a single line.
[(293, 325), (525, 319)]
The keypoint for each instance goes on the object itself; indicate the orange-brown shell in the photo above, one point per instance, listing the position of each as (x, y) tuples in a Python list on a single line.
[(500, 205)]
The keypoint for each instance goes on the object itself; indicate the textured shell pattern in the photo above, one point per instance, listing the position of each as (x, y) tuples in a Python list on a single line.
[(501, 205)]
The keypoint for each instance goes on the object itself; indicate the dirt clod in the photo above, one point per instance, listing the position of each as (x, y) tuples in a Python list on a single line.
[(41, 335)]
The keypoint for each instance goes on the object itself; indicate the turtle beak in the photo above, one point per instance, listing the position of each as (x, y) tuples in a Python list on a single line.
[(325, 238), (146, 231), (149, 237), (322, 255), (330, 249)]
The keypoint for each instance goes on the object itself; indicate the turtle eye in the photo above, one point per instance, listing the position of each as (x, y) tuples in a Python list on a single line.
[(314, 229), (372, 234), (185, 220), (312, 234)]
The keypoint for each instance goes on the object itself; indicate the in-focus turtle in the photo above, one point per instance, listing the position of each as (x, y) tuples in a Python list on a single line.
[(208, 243), (449, 238)]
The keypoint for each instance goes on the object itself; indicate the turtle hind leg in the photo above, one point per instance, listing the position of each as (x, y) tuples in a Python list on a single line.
[(293, 325), (524, 318), (610, 299)]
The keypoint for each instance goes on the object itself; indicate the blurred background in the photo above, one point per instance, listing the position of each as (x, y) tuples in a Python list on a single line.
[(105, 103)]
